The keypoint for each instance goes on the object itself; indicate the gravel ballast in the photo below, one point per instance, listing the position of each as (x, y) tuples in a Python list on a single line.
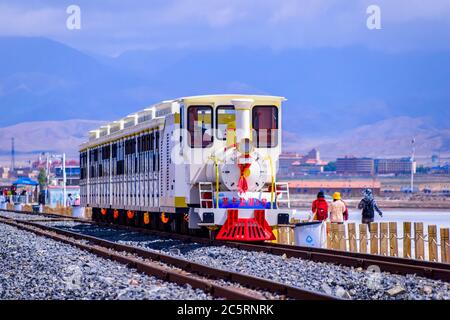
[(35, 267), (26, 216), (341, 281)]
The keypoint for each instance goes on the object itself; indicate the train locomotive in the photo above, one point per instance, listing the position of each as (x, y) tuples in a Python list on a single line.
[(201, 164)]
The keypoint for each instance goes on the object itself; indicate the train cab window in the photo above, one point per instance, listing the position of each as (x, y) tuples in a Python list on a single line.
[(200, 119), (225, 119), (265, 126)]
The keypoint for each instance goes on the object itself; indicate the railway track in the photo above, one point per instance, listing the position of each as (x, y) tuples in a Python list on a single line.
[(193, 248), (169, 268), (396, 265)]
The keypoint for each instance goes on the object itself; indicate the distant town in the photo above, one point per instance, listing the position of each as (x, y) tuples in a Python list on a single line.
[(306, 173), (390, 177)]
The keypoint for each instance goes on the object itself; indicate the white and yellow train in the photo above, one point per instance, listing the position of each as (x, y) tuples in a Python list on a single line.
[(190, 164)]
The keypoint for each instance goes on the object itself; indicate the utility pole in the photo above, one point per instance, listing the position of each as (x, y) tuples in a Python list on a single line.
[(13, 155), (47, 167), (413, 153), (64, 178)]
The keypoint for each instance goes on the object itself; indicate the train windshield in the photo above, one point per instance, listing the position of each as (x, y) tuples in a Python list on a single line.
[(225, 119), (200, 121), (265, 126)]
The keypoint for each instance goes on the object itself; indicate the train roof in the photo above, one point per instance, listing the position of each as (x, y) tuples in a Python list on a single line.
[(231, 96), (158, 110)]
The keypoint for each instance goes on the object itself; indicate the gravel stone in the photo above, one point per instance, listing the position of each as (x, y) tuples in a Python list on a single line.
[(34, 267), (341, 281), (25, 216)]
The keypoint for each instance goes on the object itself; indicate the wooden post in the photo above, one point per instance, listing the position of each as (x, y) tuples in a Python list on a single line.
[(445, 248), (393, 241), (384, 231), (334, 237), (432, 243), (352, 237), (341, 237), (292, 235), (280, 234), (329, 242), (418, 241), (374, 238), (363, 238), (406, 239)]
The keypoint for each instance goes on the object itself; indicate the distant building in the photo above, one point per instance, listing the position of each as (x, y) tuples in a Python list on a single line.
[(394, 166), (313, 155), (355, 166), (299, 169), (444, 169), (345, 187), (20, 172), (4, 172), (285, 162), (435, 159), (72, 175), (293, 165)]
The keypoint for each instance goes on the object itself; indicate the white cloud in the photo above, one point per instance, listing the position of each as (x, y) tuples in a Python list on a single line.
[(116, 26), (22, 21)]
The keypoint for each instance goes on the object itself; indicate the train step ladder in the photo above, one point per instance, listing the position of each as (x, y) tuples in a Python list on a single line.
[(206, 192), (282, 191)]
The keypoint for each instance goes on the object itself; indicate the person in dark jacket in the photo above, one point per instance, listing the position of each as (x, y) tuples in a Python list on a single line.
[(368, 206), (320, 207)]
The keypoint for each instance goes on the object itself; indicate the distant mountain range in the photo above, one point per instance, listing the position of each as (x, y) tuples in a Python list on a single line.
[(348, 100), (388, 138), (32, 138)]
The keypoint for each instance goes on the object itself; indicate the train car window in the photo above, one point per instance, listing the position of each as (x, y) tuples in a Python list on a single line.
[(152, 140), (265, 126), (200, 120), (157, 140), (225, 119), (106, 152), (146, 142), (114, 150), (130, 146), (120, 167)]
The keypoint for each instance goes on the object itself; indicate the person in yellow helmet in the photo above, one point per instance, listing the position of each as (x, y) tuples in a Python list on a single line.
[(338, 209)]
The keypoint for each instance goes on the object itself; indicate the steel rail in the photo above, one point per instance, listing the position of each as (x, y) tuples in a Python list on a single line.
[(114, 251), (395, 265)]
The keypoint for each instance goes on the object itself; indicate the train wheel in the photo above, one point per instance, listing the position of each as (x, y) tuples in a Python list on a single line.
[(185, 224), (94, 214), (174, 225), (122, 217), (154, 218)]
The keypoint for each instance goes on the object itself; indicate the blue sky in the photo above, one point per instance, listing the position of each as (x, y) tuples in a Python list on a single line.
[(113, 26), (318, 53)]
